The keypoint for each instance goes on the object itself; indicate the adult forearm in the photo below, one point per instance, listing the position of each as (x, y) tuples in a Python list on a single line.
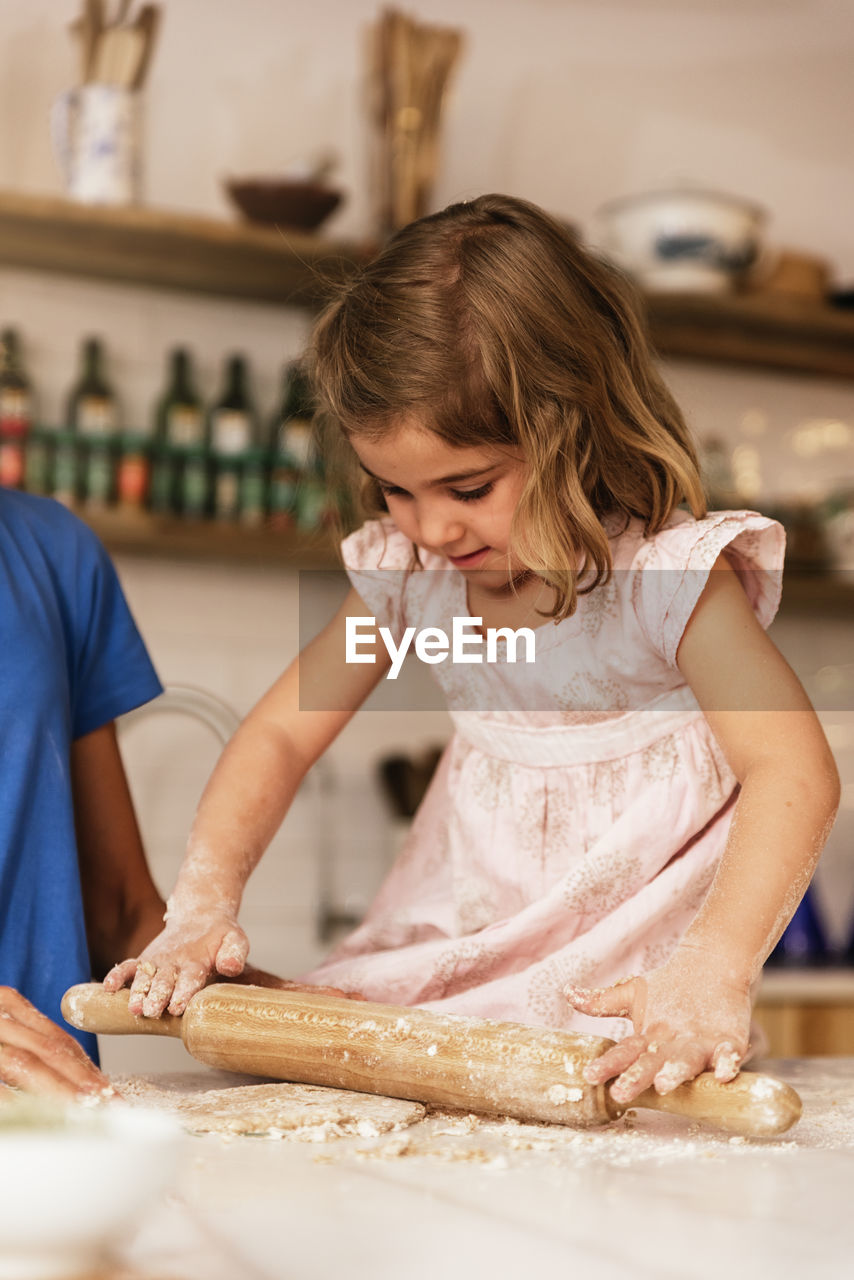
[(782, 819), (125, 934)]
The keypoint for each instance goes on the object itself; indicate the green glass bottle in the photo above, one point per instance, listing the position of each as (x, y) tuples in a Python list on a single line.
[(298, 494), (66, 469), (179, 420), (179, 435), (233, 431), (92, 405), (194, 496), (233, 427), (98, 481), (253, 488), (38, 461), (15, 411), (290, 428)]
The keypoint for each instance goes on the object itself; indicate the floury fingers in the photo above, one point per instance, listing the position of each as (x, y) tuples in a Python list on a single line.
[(432, 644)]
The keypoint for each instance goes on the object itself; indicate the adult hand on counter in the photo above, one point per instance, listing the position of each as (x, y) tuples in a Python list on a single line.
[(180, 961), (39, 1057), (686, 1019)]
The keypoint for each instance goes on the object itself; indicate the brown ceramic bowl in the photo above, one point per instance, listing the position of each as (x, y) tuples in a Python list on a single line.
[(283, 202)]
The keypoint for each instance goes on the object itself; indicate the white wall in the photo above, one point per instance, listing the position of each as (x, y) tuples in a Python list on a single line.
[(568, 103)]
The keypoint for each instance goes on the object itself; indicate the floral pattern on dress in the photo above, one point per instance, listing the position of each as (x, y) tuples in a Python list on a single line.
[(553, 846)]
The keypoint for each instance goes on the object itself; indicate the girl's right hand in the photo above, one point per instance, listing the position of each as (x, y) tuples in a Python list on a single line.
[(179, 962)]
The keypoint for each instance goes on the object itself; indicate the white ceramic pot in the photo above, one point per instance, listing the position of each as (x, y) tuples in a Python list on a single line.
[(683, 240), (75, 1180)]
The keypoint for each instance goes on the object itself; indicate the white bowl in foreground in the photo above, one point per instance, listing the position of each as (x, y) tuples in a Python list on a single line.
[(683, 239), (74, 1179)]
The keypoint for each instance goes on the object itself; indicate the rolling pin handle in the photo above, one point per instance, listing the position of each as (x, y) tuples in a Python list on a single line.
[(88, 1007), (751, 1105)]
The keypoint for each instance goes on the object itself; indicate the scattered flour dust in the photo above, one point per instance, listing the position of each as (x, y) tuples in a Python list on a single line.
[(300, 1112), (560, 1094), (374, 1128), (635, 1140)]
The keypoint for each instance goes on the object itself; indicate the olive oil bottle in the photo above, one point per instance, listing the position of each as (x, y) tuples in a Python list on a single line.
[(180, 466), (15, 411)]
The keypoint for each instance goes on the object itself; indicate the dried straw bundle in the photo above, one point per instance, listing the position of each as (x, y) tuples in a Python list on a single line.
[(410, 64)]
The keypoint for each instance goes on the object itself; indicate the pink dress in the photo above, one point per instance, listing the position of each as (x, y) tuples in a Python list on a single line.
[(577, 816)]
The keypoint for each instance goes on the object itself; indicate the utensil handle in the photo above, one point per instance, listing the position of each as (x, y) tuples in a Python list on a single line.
[(61, 126), (751, 1105), (90, 1008)]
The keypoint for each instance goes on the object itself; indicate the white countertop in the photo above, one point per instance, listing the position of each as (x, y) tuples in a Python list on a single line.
[(648, 1198)]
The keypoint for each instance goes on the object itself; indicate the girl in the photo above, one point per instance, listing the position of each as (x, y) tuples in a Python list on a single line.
[(649, 797)]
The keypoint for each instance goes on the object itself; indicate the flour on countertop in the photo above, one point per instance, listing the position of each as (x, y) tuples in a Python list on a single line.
[(639, 1138), (300, 1112), (495, 1144), (373, 1128)]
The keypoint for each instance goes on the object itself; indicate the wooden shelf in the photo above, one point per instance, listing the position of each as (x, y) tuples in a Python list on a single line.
[(140, 533), (234, 259), (159, 249), (758, 330)]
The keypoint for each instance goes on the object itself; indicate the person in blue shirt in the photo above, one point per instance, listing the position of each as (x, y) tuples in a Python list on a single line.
[(75, 889)]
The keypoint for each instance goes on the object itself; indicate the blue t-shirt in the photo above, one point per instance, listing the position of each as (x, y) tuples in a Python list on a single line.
[(72, 660)]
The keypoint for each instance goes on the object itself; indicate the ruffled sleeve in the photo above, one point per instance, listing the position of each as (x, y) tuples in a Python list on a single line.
[(379, 560), (671, 569)]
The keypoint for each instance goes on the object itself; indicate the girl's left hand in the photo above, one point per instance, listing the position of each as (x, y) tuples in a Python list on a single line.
[(686, 1018)]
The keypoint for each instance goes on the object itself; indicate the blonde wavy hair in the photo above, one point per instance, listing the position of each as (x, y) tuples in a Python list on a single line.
[(491, 325)]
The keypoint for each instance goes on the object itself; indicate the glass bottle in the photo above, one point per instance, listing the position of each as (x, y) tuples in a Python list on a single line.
[(179, 433), (133, 474), (65, 470), (298, 495), (234, 426), (291, 425), (227, 485), (193, 501), (99, 473), (179, 421), (253, 488), (92, 405), (234, 430), (162, 488), (92, 418), (38, 461), (15, 411)]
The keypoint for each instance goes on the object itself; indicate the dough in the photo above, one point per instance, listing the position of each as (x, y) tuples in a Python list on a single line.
[(302, 1112)]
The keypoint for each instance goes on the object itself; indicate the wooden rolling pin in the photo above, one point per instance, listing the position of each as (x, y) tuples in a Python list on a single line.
[(495, 1068)]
